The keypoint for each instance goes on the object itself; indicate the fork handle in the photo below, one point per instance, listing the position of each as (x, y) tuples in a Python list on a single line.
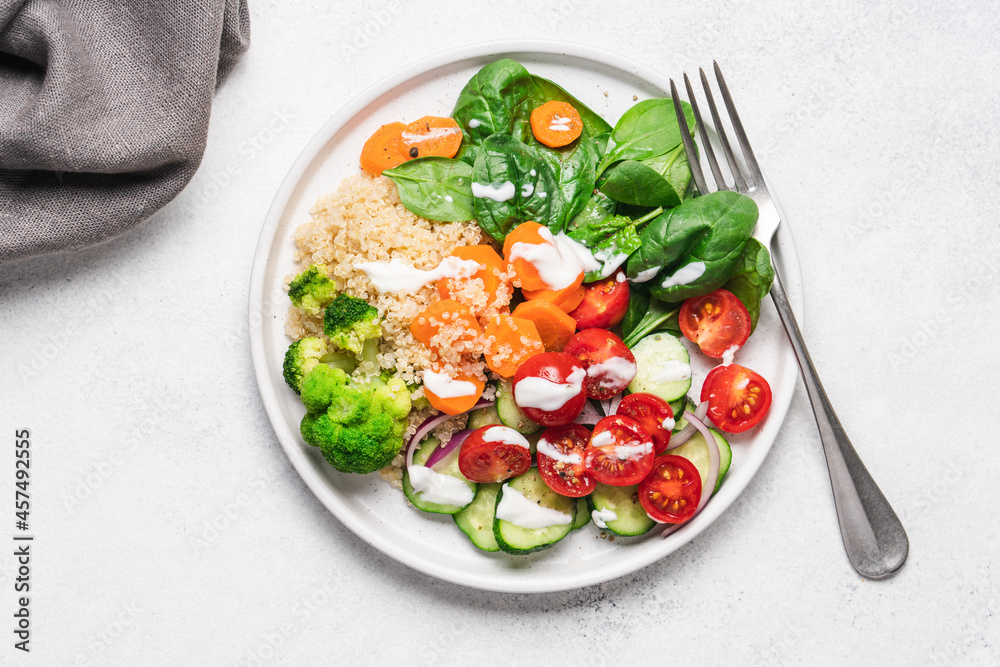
[(874, 538)]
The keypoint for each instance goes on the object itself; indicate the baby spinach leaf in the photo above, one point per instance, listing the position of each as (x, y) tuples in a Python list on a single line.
[(657, 317), (611, 239), (493, 99), (592, 121), (503, 161), (435, 188), (638, 304), (588, 220), (647, 130), (576, 170), (752, 278)]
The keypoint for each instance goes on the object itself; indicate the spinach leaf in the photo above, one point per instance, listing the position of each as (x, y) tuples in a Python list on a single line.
[(658, 316), (593, 124), (497, 98), (647, 130), (587, 222), (751, 280), (435, 188), (505, 162), (638, 304), (660, 181), (576, 170), (708, 232), (611, 239)]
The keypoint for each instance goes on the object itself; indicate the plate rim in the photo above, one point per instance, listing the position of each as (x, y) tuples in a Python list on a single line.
[(318, 485)]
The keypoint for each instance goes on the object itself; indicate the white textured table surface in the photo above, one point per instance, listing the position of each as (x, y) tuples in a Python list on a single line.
[(171, 529)]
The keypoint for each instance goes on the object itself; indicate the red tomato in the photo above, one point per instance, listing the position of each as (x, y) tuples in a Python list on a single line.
[(672, 491), (620, 452), (737, 397), (653, 413), (494, 453), (560, 460), (604, 303), (610, 364), (716, 322), (548, 388)]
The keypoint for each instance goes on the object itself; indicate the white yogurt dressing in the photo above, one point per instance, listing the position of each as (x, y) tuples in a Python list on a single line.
[(438, 488), (527, 189), (618, 370), (727, 356), (647, 275), (432, 133), (610, 260), (558, 261), (520, 511), (473, 123), (685, 275), (669, 423), (546, 447), (500, 193), (445, 386), (621, 452), (506, 435), (398, 276), (601, 516), (672, 371), (560, 123), (534, 392)]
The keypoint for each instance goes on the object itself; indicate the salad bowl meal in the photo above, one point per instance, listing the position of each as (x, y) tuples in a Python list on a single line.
[(499, 333)]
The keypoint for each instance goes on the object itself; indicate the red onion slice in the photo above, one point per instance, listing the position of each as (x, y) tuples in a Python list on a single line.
[(713, 469), (615, 402), (589, 408), (430, 424), (441, 452), (587, 419), (683, 435), (606, 406)]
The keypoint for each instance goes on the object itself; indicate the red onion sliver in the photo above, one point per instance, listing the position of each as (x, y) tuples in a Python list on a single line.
[(683, 435), (589, 408), (430, 424), (615, 402), (713, 468), (441, 452), (606, 407), (587, 419)]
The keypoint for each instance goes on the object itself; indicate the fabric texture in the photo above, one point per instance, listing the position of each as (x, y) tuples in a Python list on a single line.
[(104, 110)]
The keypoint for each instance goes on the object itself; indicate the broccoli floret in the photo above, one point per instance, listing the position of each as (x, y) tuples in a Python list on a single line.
[(358, 426), (349, 321), (312, 289), (304, 355)]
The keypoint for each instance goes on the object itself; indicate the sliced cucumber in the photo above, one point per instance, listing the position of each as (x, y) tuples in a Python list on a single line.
[(483, 417), (663, 367), (678, 407), (695, 450), (449, 466), (476, 520), (685, 404), (582, 516), (517, 539), (630, 519), (511, 415)]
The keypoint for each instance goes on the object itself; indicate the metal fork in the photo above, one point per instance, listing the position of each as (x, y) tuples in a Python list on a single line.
[(874, 538)]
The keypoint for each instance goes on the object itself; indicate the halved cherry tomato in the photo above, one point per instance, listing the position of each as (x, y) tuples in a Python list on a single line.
[(610, 364), (493, 454), (548, 388), (653, 413), (672, 491), (560, 460), (604, 303), (620, 452), (716, 322), (738, 398)]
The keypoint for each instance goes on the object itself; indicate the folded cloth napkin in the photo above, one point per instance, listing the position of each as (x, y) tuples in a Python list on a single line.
[(104, 108)]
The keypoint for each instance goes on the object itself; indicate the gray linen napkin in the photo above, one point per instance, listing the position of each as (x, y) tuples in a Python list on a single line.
[(104, 108)]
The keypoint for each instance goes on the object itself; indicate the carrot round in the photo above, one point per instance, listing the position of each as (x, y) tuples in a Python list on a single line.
[(567, 298), (509, 341), (447, 324), (455, 405), (556, 124), (432, 135), (525, 273), (554, 325), (493, 276), (384, 149)]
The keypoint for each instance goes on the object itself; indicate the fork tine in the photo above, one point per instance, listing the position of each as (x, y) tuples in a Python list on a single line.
[(740, 184), (755, 176), (720, 181), (689, 149)]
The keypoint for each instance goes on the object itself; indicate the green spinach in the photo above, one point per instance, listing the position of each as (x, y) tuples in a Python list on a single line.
[(659, 315), (611, 239), (752, 278), (497, 98), (648, 130), (659, 181), (575, 167), (435, 188)]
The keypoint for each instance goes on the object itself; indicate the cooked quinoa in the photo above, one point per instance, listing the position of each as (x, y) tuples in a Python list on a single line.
[(364, 221)]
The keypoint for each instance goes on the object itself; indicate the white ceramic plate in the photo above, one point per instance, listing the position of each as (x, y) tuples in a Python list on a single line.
[(370, 507)]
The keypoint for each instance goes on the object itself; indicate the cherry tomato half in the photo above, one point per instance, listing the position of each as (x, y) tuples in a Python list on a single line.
[(620, 452), (604, 303), (672, 491), (494, 453), (548, 388), (716, 322), (737, 397), (560, 460), (653, 413), (610, 364)]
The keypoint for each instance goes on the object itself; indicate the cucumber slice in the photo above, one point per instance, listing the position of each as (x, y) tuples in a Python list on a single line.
[(511, 415), (516, 539), (449, 467), (483, 417), (695, 450), (678, 407), (582, 516), (663, 367), (687, 403), (476, 520), (630, 519)]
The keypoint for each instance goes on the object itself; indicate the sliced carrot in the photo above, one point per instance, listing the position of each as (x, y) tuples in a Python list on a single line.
[(432, 135), (384, 149), (554, 325), (455, 405), (509, 341), (567, 299), (526, 275), (447, 324), (556, 124), (493, 275), (526, 232)]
